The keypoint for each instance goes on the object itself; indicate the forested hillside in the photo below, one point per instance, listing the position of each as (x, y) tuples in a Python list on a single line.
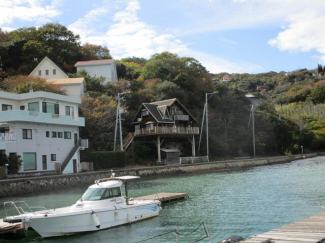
[(290, 114)]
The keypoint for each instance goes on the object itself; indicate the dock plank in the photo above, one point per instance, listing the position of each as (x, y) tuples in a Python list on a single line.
[(308, 230), (165, 197)]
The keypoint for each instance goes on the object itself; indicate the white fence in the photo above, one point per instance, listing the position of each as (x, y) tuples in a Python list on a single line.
[(192, 160)]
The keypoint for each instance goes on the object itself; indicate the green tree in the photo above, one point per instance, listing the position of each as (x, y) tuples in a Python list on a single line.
[(53, 40), (94, 52)]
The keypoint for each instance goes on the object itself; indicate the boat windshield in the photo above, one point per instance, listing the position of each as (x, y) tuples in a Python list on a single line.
[(93, 194)]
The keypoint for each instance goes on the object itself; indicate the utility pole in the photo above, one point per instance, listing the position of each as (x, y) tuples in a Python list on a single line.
[(205, 113), (207, 123), (118, 120)]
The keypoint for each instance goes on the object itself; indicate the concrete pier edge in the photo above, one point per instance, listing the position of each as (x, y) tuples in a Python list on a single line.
[(20, 186)]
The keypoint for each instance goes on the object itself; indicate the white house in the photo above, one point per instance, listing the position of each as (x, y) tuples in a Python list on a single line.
[(43, 128), (74, 87), (105, 68), (48, 69)]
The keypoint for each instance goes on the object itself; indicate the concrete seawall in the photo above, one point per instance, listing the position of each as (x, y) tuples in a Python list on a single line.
[(10, 187)]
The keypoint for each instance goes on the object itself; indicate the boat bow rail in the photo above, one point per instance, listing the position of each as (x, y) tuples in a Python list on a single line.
[(21, 207)]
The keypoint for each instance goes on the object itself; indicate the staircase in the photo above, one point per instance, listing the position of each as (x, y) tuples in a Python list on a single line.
[(68, 158), (126, 141)]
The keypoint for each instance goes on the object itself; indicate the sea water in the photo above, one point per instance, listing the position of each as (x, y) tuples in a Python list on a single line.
[(242, 202)]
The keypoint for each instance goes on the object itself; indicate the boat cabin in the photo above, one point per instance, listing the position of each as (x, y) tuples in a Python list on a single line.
[(102, 191)]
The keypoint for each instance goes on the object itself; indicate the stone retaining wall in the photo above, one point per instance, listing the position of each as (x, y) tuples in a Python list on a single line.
[(10, 187)]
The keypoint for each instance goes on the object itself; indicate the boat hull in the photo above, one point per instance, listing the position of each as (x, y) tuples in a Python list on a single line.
[(54, 225)]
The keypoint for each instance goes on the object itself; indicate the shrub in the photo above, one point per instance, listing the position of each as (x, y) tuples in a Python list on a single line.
[(14, 164), (108, 159)]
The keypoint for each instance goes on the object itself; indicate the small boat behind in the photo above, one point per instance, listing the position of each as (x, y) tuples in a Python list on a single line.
[(102, 206)]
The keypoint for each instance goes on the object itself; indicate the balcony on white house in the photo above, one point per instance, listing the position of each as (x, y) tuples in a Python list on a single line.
[(7, 137), (38, 117)]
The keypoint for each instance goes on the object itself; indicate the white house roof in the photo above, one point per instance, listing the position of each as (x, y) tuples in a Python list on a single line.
[(39, 94), (63, 81), (94, 62)]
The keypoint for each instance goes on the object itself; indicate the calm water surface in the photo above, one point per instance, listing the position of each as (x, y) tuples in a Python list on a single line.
[(243, 202)]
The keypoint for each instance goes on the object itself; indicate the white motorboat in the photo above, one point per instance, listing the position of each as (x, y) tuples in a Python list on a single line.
[(102, 206)]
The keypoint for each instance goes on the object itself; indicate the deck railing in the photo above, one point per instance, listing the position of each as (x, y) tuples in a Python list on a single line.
[(166, 130), (7, 137)]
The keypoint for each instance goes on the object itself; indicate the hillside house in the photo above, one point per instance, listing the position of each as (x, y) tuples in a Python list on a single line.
[(226, 78), (48, 69), (261, 87), (74, 87), (165, 121), (43, 128), (96, 68)]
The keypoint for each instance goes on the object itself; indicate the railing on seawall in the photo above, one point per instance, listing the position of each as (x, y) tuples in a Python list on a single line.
[(192, 160)]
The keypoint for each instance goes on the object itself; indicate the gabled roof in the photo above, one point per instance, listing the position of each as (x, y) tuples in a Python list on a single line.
[(155, 109), (63, 81), (156, 114), (164, 102), (94, 62), (48, 59)]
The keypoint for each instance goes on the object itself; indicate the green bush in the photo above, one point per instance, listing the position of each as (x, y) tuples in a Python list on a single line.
[(14, 164), (108, 159)]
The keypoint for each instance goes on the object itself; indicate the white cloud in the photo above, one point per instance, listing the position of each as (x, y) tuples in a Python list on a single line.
[(128, 36), (28, 10), (303, 34)]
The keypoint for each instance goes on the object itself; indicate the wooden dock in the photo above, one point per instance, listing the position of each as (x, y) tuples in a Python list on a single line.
[(165, 197), (11, 231), (308, 230)]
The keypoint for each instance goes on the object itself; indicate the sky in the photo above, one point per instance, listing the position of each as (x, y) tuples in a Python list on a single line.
[(234, 36)]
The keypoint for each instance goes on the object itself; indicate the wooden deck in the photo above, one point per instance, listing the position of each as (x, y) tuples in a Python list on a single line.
[(308, 230), (165, 197), (10, 229)]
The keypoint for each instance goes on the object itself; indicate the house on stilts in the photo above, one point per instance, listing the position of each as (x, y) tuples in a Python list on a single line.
[(169, 124)]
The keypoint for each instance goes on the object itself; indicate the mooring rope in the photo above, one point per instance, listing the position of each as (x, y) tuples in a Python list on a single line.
[(176, 232), (190, 232)]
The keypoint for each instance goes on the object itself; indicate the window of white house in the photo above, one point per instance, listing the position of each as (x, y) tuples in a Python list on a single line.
[(53, 134), (39, 72), (50, 108), (60, 135), (29, 161), (44, 162), (6, 107), (27, 133), (22, 107), (47, 134), (53, 157), (4, 129), (54, 71), (47, 72), (69, 111), (33, 106), (67, 135)]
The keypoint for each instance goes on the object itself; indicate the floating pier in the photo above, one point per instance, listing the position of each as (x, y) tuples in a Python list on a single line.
[(165, 197), (308, 230), (11, 231)]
